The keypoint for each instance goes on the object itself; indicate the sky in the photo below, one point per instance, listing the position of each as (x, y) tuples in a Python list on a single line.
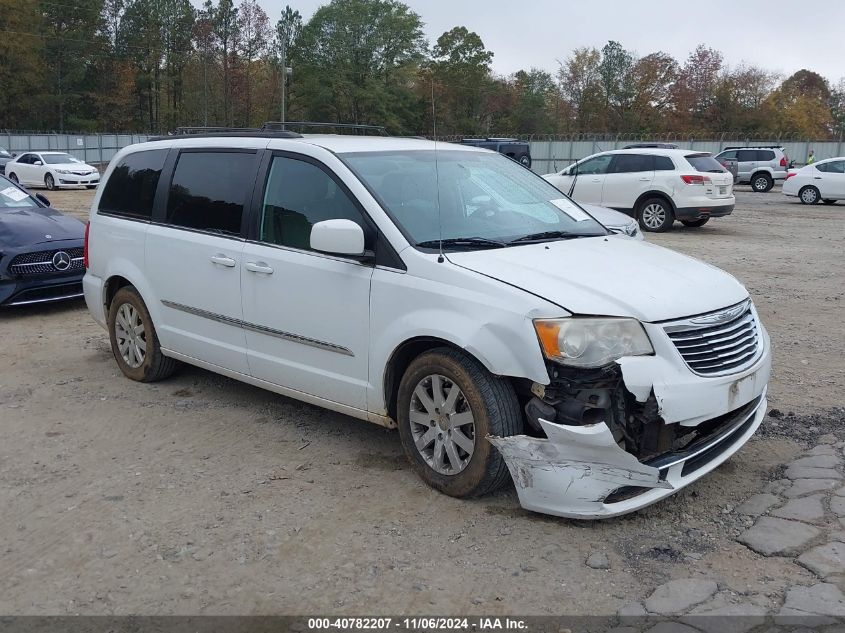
[(782, 36)]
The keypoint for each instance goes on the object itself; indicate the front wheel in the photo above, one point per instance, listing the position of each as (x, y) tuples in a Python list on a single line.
[(49, 182), (90, 186), (762, 183), (695, 223), (448, 403), (14, 179), (656, 215), (134, 342), (829, 201), (809, 195)]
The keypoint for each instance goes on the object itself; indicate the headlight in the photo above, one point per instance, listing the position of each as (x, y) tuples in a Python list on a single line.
[(591, 342), (62, 171)]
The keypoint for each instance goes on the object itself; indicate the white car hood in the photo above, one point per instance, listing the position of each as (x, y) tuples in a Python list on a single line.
[(602, 276), (72, 166)]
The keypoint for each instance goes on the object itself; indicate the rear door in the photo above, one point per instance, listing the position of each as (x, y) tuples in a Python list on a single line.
[(747, 159), (194, 251), (590, 178), (23, 169), (628, 177), (306, 313)]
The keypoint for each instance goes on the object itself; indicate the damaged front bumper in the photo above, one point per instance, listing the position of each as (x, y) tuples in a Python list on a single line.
[(581, 471)]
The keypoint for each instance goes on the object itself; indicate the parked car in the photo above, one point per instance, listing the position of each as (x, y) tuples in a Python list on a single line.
[(52, 170), (759, 166), (822, 181), (656, 186), (40, 249), (5, 157), (520, 151), (507, 333)]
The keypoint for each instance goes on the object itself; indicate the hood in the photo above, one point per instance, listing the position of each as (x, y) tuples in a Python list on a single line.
[(19, 227), (72, 166), (612, 277)]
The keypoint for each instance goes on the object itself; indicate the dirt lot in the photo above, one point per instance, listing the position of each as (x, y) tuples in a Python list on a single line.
[(204, 495)]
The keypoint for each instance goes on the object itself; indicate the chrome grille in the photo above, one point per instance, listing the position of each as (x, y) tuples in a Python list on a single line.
[(722, 342), (41, 262)]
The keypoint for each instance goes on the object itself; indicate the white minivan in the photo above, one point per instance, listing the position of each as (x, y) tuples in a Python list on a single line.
[(440, 289)]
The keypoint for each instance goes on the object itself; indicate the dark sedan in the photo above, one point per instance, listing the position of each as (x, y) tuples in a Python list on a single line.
[(41, 250), (5, 157)]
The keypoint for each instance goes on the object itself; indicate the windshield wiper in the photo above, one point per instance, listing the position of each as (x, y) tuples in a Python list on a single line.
[(482, 242), (545, 236)]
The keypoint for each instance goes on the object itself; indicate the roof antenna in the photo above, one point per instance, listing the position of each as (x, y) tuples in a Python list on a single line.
[(440, 258)]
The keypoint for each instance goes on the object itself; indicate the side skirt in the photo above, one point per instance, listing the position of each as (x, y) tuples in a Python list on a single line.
[(354, 412)]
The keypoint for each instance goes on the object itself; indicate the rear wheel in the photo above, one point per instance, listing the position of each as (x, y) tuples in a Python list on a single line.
[(90, 186), (695, 223), (762, 183), (49, 182), (448, 403), (525, 161), (134, 342), (809, 195), (829, 201), (656, 215)]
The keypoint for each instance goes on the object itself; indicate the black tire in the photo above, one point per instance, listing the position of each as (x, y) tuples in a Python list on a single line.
[(695, 223), (762, 182), (495, 411), (49, 182), (525, 161), (90, 186), (829, 201), (809, 195), (646, 212), (155, 365), (14, 179)]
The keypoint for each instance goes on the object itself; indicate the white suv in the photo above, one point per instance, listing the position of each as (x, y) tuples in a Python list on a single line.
[(441, 289), (656, 186)]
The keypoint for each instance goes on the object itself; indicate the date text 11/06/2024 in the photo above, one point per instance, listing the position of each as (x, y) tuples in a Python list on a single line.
[(418, 624)]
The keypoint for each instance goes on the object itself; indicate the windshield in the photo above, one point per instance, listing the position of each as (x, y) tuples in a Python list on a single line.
[(58, 159), (12, 197), (705, 163), (481, 195)]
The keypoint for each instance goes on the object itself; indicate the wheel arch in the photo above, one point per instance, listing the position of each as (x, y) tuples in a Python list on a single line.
[(654, 193)]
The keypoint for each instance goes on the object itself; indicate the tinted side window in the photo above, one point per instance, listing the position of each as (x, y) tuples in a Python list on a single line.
[(833, 167), (663, 163), (596, 165), (209, 190), (728, 154), (765, 154), (629, 163), (298, 195), (131, 188), (746, 155)]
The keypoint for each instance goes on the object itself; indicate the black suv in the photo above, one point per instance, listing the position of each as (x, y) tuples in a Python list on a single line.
[(513, 148)]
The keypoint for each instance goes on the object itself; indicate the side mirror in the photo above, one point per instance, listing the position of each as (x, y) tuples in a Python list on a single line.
[(38, 163), (42, 198), (338, 237)]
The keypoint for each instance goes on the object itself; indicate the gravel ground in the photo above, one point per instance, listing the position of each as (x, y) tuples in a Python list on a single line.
[(203, 495)]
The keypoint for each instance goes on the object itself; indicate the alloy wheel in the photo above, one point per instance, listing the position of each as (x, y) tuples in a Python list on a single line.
[(131, 336), (442, 424), (654, 216), (761, 183)]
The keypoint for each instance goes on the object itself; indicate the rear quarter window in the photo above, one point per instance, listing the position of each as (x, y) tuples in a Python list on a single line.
[(765, 155), (131, 188), (663, 163)]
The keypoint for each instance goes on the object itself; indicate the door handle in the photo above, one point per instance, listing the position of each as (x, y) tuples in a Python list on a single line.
[(259, 267), (596, 179), (646, 179), (222, 260), (817, 177)]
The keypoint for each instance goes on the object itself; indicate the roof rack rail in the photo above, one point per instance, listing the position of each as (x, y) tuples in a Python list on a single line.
[(753, 147), (355, 127), (224, 132)]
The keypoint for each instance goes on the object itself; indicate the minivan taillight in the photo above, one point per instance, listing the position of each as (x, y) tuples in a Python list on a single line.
[(783, 161), (695, 179), (85, 246)]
